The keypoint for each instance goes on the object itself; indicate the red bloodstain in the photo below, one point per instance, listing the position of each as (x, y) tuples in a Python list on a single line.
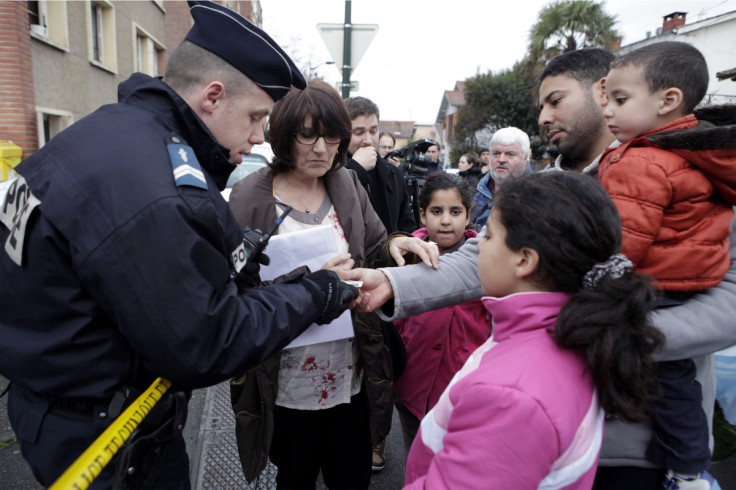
[(309, 364), (324, 395)]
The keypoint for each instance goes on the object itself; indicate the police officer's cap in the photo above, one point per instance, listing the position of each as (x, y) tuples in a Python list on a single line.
[(245, 46)]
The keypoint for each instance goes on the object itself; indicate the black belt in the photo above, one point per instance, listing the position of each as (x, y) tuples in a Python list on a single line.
[(87, 408)]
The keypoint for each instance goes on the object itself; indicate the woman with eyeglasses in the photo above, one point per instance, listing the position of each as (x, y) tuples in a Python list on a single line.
[(313, 405)]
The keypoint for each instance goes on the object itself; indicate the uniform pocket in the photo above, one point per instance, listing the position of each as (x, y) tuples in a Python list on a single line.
[(26, 413)]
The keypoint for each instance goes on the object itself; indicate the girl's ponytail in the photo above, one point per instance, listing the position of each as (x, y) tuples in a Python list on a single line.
[(608, 321)]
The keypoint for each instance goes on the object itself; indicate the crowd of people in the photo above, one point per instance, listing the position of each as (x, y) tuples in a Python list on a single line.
[(550, 329)]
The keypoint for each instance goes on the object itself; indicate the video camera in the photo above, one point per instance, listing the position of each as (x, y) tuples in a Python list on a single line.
[(415, 154), (417, 163)]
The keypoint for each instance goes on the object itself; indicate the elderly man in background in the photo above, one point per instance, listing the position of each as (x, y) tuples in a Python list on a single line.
[(509, 159)]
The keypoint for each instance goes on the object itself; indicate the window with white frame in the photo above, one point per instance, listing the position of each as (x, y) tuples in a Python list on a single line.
[(48, 21), (101, 34), (147, 51), (50, 123)]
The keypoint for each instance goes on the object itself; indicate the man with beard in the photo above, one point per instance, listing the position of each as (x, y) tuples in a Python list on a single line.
[(572, 97), (572, 94)]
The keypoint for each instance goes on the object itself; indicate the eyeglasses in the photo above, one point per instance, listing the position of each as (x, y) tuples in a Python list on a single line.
[(382, 147), (310, 137)]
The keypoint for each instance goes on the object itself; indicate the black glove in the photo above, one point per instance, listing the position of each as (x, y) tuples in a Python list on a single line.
[(329, 291), (248, 277)]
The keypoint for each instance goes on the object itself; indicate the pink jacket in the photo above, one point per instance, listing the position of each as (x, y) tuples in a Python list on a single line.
[(437, 344), (522, 413)]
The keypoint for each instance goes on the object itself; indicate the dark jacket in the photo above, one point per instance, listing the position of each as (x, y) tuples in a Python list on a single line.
[(386, 187), (472, 176), (254, 393), (126, 268)]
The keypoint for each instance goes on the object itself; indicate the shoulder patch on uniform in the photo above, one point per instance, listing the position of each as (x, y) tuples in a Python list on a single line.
[(187, 170), (18, 204)]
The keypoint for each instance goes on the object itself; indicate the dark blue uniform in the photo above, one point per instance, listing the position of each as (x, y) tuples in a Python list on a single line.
[(123, 269)]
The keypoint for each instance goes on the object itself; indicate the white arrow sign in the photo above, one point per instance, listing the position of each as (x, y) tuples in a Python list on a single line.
[(333, 34)]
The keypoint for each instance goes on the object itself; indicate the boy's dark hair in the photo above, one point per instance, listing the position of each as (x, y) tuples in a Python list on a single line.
[(572, 224), (360, 106), (671, 64), (441, 181), (587, 65), (329, 115)]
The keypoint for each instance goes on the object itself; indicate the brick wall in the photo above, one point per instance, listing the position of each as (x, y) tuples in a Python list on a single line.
[(17, 104), (178, 21)]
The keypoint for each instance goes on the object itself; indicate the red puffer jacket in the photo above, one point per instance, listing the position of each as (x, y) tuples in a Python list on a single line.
[(673, 188)]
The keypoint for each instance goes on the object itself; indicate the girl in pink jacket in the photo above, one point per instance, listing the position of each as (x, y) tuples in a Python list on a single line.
[(438, 342), (571, 340)]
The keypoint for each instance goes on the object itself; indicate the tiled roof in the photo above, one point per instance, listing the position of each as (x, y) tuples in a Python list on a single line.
[(400, 129), (456, 97)]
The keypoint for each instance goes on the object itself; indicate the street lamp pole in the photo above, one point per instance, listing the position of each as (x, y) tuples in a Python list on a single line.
[(312, 68)]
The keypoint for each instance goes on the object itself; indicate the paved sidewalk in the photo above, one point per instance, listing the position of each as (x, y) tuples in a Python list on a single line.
[(215, 462), (214, 455)]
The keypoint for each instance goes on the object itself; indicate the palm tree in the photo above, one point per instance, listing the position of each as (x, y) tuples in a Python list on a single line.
[(567, 25)]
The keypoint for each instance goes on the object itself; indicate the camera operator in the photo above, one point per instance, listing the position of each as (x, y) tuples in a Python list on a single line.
[(416, 162), (434, 156)]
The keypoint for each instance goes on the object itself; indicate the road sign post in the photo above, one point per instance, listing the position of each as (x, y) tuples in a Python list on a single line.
[(347, 43)]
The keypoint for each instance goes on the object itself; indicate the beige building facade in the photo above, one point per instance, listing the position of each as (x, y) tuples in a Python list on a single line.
[(63, 59)]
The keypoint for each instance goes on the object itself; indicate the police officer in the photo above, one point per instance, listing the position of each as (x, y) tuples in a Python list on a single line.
[(119, 256)]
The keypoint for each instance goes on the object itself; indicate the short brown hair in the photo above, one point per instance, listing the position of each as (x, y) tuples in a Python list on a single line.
[(361, 106), (329, 115), (671, 64)]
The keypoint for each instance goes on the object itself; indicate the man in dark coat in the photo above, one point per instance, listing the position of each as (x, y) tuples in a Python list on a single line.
[(383, 181), (122, 262)]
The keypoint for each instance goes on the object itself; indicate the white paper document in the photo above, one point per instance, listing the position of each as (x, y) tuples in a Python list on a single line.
[(311, 247)]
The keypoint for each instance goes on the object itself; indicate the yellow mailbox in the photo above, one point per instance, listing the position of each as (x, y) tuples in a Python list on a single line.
[(10, 156)]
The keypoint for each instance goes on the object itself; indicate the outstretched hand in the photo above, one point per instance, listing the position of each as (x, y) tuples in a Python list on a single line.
[(428, 252), (339, 262), (374, 292)]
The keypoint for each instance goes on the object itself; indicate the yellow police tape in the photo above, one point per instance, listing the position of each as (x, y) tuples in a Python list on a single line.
[(89, 465)]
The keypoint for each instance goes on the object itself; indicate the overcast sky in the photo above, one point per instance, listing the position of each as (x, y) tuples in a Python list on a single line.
[(423, 46)]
